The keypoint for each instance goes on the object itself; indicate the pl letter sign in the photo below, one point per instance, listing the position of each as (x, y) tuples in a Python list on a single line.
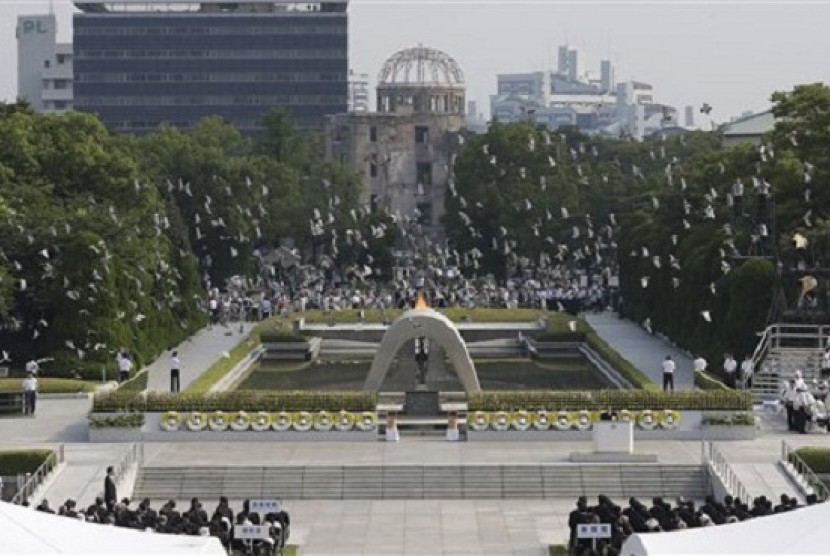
[(34, 26), (593, 531), (264, 507), (250, 532)]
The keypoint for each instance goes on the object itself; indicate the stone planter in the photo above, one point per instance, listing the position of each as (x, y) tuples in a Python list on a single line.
[(727, 432), (115, 434)]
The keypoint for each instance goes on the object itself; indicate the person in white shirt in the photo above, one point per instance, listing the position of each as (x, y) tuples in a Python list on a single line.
[(730, 368), (668, 373), (699, 364), (175, 372), (392, 434), (125, 365), (746, 371), (29, 387)]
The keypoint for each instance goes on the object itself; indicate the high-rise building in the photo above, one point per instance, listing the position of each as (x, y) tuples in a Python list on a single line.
[(690, 116), (139, 64), (606, 76), (44, 66)]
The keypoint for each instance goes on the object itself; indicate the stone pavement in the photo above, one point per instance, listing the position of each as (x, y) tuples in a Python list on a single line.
[(56, 421), (643, 350), (82, 478), (197, 354)]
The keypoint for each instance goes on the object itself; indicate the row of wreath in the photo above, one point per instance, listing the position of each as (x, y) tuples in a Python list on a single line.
[(567, 420), (261, 421)]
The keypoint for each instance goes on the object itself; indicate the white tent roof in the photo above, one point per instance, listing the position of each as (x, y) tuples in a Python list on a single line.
[(804, 531), (26, 531)]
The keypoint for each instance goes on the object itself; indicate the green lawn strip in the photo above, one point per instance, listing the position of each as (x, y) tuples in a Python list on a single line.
[(816, 458), (136, 384), (221, 367), (290, 550), (455, 314), (13, 462), (50, 385), (705, 381), (557, 550)]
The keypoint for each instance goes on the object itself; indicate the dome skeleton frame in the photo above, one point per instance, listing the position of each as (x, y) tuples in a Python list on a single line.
[(420, 66)]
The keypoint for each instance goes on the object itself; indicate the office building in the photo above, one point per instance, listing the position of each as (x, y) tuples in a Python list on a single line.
[(140, 64), (593, 103), (404, 150), (44, 66)]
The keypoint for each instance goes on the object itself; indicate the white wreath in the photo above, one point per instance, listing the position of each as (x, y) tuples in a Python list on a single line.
[(170, 421), (367, 421), (196, 421), (542, 421), (261, 422), (563, 421), (583, 421), (646, 421), (625, 416), (282, 422), (521, 421), (240, 421), (323, 421), (670, 420), (479, 421), (302, 421), (345, 421), (500, 421), (218, 421)]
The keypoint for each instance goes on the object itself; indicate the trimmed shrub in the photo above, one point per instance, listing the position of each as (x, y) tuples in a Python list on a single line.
[(119, 420), (239, 400), (816, 458), (705, 381), (13, 462), (50, 385), (632, 400)]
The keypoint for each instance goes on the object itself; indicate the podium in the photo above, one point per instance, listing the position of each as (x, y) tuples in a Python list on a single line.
[(614, 437), (613, 443)]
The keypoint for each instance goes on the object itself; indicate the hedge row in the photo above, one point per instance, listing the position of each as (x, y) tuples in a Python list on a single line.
[(816, 458), (49, 385), (136, 384), (238, 400), (13, 462), (705, 381), (633, 400)]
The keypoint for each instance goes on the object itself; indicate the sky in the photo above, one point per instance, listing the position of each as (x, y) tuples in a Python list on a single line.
[(730, 54)]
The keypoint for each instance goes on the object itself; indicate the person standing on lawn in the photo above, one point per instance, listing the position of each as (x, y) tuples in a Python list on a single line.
[(29, 393)]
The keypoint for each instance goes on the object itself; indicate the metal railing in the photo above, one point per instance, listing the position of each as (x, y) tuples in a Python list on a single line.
[(775, 336), (34, 480), (809, 478), (134, 456), (718, 465)]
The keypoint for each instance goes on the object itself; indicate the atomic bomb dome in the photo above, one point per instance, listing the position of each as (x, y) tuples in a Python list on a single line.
[(421, 66), (421, 80)]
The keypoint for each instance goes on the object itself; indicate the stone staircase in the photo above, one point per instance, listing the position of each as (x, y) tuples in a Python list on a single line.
[(417, 482), (779, 365)]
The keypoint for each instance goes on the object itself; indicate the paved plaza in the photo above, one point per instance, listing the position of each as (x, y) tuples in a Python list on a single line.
[(383, 527)]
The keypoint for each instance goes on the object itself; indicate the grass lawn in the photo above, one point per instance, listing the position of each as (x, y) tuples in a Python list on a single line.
[(51, 385), (455, 314), (494, 374)]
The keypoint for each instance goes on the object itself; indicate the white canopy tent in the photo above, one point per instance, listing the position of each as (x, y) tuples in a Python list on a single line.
[(26, 531), (804, 532)]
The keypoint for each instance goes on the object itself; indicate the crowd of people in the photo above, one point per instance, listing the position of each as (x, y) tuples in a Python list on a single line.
[(638, 517), (195, 520)]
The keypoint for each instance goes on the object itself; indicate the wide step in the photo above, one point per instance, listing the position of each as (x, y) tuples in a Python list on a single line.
[(430, 482)]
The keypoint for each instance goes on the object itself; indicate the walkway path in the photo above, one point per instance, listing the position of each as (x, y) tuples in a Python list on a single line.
[(643, 350), (82, 478), (197, 354)]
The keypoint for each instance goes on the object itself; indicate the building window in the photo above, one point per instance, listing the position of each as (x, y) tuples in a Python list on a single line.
[(46, 63), (424, 171), (425, 216), (373, 169), (421, 134), (373, 134)]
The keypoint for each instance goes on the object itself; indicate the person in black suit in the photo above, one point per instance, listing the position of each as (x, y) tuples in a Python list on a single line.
[(110, 493)]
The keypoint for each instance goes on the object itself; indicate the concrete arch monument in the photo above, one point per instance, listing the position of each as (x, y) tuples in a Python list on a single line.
[(423, 322)]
